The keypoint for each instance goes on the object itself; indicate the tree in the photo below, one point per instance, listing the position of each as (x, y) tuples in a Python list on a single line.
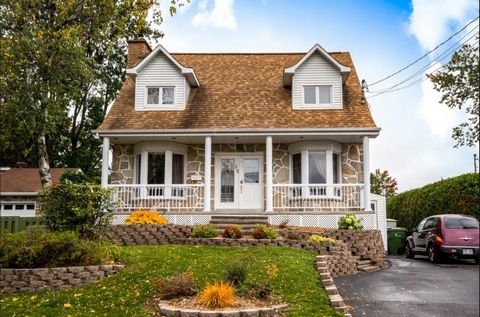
[(61, 64), (382, 183), (458, 82)]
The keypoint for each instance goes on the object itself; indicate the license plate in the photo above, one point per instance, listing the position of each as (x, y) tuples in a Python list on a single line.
[(468, 251)]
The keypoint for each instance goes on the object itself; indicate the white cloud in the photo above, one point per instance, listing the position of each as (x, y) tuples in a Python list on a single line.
[(431, 20), (221, 15)]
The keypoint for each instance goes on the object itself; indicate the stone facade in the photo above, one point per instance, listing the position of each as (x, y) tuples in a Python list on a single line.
[(30, 280), (352, 163), (122, 164)]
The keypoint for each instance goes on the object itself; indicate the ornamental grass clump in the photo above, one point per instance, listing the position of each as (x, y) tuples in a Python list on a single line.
[(204, 231), (316, 239), (350, 222), (232, 232), (217, 295), (146, 217), (236, 271), (179, 285)]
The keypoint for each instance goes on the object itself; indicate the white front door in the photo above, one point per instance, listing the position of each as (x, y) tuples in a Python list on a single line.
[(238, 181)]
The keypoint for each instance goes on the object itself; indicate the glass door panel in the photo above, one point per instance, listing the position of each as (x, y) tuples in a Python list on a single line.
[(227, 181)]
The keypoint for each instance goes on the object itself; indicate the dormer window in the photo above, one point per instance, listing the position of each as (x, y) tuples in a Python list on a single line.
[(160, 96), (317, 95)]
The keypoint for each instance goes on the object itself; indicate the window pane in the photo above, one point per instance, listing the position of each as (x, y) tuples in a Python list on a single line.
[(8, 207), (168, 95), (153, 96), (297, 168), (251, 171), (19, 207), (317, 168), (178, 169), (156, 168), (309, 94), (460, 223), (139, 167), (324, 94), (335, 168), (30, 207), (227, 179)]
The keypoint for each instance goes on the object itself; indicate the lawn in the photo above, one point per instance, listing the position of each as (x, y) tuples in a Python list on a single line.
[(126, 293)]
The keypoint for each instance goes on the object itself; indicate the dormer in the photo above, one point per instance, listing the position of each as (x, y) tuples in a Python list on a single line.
[(316, 81), (161, 82)]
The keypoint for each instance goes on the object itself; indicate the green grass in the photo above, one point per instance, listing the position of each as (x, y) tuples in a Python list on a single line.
[(126, 293)]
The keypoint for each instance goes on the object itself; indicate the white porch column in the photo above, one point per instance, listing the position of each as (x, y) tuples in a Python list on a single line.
[(269, 173), (366, 173), (168, 173), (105, 160), (208, 167)]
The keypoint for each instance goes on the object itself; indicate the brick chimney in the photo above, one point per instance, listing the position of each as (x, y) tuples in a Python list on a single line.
[(137, 50)]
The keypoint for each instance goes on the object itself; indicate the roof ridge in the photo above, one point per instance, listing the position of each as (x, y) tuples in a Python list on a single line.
[(250, 53)]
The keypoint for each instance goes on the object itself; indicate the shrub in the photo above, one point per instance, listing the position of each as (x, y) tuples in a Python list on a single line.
[(457, 195), (146, 217), (179, 285), (232, 232), (263, 232), (204, 231), (236, 272), (37, 247), (78, 177), (293, 235), (316, 239), (82, 208), (217, 295), (350, 222)]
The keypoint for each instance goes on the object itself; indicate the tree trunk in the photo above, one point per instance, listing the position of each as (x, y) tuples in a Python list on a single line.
[(43, 164)]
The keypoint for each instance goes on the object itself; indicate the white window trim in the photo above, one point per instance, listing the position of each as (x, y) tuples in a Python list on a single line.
[(317, 105), (331, 191), (160, 105)]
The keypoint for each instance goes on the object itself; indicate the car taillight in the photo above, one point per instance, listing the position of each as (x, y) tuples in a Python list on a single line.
[(439, 240)]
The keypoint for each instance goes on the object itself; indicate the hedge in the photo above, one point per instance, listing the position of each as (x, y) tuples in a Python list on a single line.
[(457, 195)]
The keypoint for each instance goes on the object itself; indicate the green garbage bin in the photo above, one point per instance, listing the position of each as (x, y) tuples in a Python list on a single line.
[(396, 240)]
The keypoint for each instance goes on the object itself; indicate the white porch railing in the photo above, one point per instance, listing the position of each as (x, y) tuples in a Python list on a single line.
[(317, 197), (182, 197)]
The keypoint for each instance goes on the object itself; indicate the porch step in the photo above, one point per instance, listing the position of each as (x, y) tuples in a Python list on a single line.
[(246, 223)]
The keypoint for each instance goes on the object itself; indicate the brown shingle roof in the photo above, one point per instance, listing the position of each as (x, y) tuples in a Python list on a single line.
[(242, 91), (25, 180)]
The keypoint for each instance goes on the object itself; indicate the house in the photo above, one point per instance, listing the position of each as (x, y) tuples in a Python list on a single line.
[(284, 135), (19, 188)]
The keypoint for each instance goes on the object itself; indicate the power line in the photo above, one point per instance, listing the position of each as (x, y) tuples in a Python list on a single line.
[(439, 58), (425, 55)]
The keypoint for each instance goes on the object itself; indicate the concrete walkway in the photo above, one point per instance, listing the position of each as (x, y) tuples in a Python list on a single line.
[(414, 288)]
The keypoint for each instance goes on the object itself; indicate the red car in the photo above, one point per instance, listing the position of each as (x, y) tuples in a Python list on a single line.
[(444, 236)]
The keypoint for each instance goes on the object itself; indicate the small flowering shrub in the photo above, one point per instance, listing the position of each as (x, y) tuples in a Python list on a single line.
[(217, 295), (263, 232), (316, 239), (350, 222), (146, 217), (204, 231), (232, 232), (177, 286)]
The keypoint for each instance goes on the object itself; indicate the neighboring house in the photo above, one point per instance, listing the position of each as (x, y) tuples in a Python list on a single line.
[(279, 134), (19, 188)]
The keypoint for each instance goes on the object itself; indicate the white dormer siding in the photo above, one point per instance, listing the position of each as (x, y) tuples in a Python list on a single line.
[(161, 72), (316, 71)]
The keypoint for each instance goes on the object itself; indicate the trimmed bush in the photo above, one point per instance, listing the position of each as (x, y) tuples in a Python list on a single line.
[(264, 232), (82, 208), (457, 195), (204, 231), (232, 232), (37, 247), (217, 295), (350, 222), (177, 286), (146, 217)]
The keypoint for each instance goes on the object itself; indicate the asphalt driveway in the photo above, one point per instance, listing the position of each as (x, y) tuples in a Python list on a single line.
[(414, 288)]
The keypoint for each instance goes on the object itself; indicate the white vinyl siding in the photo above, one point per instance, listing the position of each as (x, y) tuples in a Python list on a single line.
[(160, 72), (316, 71)]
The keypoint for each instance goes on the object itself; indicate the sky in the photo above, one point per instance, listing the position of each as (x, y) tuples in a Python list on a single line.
[(415, 143)]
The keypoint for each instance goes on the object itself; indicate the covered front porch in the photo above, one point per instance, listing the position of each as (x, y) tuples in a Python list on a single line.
[(249, 172)]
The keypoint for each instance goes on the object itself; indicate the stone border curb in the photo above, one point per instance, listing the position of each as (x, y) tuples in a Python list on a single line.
[(43, 279), (167, 310), (336, 300)]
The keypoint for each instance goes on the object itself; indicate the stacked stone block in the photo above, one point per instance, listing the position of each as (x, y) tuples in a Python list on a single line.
[(29, 280)]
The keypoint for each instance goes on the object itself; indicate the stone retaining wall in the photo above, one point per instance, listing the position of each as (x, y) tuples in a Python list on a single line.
[(29, 280), (167, 310)]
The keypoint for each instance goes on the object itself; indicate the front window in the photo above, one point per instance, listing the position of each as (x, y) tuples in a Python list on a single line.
[(317, 95), (160, 96), (156, 168), (317, 173), (297, 168)]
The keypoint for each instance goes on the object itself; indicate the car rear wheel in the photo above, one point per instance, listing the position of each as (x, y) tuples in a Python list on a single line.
[(408, 252), (433, 255)]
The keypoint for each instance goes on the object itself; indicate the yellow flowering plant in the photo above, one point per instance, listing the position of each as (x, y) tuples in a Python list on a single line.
[(146, 217), (316, 239)]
